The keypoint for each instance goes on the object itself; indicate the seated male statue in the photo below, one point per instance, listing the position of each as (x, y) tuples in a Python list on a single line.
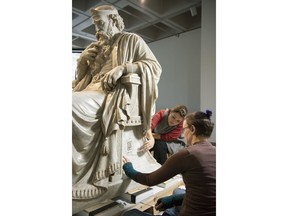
[(101, 104)]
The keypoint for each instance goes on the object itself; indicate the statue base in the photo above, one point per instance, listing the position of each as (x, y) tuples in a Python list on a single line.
[(131, 139)]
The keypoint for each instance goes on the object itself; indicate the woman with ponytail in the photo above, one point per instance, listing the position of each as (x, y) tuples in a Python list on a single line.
[(196, 163)]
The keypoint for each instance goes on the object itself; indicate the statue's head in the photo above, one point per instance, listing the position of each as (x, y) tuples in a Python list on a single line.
[(107, 21)]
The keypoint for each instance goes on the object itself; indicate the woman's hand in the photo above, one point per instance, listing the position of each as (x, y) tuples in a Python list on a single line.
[(159, 206), (129, 169), (125, 159), (156, 135), (148, 141), (164, 203), (148, 144)]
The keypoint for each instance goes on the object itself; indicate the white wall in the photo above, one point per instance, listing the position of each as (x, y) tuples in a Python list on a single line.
[(189, 67), (180, 61), (208, 60)]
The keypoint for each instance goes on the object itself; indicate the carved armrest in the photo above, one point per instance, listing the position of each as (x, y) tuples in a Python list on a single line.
[(132, 83)]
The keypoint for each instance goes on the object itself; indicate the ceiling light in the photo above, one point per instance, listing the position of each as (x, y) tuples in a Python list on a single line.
[(193, 11)]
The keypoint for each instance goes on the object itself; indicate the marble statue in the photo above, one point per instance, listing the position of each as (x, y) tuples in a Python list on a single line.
[(102, 105)]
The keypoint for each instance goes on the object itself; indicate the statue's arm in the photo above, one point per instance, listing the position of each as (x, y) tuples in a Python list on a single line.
[(88, 55)]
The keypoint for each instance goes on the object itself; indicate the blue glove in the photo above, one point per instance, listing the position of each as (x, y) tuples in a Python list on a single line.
[(130, 171), (170, 201)]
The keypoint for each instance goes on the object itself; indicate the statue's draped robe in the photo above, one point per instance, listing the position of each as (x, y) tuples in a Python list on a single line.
[(97, 114)]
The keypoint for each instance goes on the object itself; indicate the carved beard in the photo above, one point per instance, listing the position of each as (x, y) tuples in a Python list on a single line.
[(103, 37), (103, 45)]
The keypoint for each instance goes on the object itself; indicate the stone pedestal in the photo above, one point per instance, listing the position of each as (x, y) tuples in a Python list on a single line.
[(129, 140)]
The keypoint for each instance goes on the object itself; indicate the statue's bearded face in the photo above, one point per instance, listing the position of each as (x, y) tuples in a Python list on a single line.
[(103, 26), (103, 36)]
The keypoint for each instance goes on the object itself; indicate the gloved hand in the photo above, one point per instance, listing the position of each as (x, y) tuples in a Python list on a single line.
[(169, 201), (130, 171)]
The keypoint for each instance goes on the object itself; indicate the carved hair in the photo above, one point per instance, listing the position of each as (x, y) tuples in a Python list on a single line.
[(202, 123), (118, 20), (111, 12)]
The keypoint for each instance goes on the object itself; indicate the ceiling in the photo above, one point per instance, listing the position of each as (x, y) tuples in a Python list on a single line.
[(151, 19)]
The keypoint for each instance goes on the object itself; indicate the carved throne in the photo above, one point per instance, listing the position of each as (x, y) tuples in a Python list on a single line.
[(128, 142)]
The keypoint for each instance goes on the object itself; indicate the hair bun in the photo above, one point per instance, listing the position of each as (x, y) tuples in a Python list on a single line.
[(209, 113), (183, 112)]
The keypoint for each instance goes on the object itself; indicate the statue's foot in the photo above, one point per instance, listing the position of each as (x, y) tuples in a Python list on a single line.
[(87, 192)]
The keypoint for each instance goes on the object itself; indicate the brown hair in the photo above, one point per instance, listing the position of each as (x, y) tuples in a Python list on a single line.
[(202, 123), (181, 109)]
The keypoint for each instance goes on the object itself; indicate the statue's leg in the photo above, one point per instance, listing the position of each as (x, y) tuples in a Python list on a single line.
[(86, 138)]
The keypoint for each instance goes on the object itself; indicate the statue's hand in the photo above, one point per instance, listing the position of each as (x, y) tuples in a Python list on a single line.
[(110, 78), (88, 54)]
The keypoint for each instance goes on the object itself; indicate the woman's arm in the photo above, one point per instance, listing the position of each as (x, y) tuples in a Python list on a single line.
[(156, 118), (173, 166), (148, 142), (173, 134)]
